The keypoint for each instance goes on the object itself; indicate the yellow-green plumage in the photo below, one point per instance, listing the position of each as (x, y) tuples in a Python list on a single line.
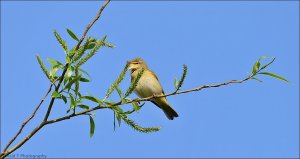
[(149, 85)]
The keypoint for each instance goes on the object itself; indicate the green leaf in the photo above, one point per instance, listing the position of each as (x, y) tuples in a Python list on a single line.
[(92, 98), (72, 34), (175, 83), (133, 110), (68, 110), (69, 73), (83, 71), (117, 109), (82, 79), (263, 57), (256, 79), (255, 67), (92, 126), (90, 46), (71, 82), (136, 106), (64, 98), (53, 71), (83, 106), (274, 75), (266, 65), (108, 102), (55, 63), (78, 93), (118, 118), (104, 38), (55, 94), (72, 105)]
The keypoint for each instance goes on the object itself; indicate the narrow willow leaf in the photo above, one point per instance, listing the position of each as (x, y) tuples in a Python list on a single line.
[(136, 106), (90, 46), (118, 118), (117, 109), (55, 63), (72, 34), (77, 81), (108, 102), (133, 110), (104, 38), (256, 79), (266, 65), (43, 67), (71, 82), (72, 99), (55, 94), (64, 98), (53, 71), (61, 42), (84, 72), (114, 121), (182, 78), (92, 126), (92, 98), (108, 45), (77, 93), (274, 75), (69, 73), (255, 67), (83, 106), (176, 83), (263, 57), (82, 79)]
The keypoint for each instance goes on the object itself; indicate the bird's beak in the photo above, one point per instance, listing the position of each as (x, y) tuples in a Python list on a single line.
[(129, 65)]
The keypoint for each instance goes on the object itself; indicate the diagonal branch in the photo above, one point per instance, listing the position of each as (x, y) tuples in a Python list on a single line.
[(26, 121), (147, 99), (77, 47), (44, 122)]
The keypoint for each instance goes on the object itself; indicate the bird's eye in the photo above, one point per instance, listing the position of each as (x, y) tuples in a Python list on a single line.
[(135, 63)]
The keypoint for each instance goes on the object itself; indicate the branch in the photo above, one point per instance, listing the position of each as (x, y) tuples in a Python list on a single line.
[(77, 47), (5, 152), (26, 121), (147, 99)]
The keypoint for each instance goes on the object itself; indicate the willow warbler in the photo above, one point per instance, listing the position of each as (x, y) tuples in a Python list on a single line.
[(148, 85)]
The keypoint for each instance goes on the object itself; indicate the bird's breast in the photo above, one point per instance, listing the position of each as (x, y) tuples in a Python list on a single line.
[(147, 86)]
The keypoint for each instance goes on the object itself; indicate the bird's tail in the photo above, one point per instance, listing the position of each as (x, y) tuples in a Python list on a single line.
[(166, 107), (170, 112)]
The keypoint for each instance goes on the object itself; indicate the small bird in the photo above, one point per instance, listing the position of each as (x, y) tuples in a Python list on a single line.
[(148, 85)]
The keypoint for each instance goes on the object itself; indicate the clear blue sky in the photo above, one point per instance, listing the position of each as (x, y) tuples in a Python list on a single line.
[(218, 41)]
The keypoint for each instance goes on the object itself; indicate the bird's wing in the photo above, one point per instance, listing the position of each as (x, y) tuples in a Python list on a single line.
[(157, 80)]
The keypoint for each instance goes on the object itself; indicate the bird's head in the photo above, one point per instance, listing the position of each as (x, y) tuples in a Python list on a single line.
[(136, 64)]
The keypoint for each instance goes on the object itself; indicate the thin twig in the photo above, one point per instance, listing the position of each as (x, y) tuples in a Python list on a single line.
[(76, 48), (146, 99), (44, 122), (26, 121)]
